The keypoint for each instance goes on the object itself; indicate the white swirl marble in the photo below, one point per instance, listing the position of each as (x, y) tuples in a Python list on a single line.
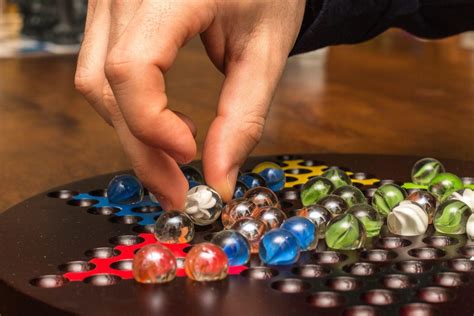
[(470, 227), (466, 196), (203, 205), (407, 219)]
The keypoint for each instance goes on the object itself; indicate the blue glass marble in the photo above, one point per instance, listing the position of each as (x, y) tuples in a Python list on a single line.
[(304, 230), (193, 184), (125, 189), (235, 246), (192, 174), (272, 173), (279, 247), (240, 189), (252, 180)]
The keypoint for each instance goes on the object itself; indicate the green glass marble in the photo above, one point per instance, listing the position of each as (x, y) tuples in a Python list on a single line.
[(424, 170), (387, 197), (351, 195), (345, 232), (337, 176), (444, 184), (369, 217), (315, 189), (451, 217)]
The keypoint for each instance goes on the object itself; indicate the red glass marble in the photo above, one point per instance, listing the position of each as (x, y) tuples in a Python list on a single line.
[(206, 262), (154, 263)]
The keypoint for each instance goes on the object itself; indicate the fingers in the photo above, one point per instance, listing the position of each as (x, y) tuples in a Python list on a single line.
[(135, 70), (90, 78), (158, 172), (243, 105)]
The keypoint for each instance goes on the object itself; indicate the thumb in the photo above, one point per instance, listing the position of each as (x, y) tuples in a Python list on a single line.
[(243, 106)]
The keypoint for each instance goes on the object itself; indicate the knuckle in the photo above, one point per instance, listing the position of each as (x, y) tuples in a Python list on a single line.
[(84, 82), (252, 127), (118, 67)]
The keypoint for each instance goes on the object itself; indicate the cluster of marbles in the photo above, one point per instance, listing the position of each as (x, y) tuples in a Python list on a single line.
[(369, 217), (386, 197), (315, 189), (407, 219), (193, 175), (272, 173), (125, 189), (345, 232), (239, 190), (425, 170), (470, 227), (154, 263), (203, 205), (337, 176)]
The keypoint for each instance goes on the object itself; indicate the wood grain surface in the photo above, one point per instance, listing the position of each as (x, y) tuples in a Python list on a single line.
[(392, 95)]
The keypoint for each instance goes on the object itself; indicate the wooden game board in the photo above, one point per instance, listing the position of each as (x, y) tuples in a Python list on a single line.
[(69, 251)]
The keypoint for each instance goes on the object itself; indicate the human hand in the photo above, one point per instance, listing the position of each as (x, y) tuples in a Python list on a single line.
[(128, 47)]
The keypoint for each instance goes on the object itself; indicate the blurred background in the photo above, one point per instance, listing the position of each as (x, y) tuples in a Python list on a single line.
[(395, 94)]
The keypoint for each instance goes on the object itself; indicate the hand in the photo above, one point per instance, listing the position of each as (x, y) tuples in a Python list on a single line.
[(128, 47)]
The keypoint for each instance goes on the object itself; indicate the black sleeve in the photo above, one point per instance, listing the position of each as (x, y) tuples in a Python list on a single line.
[(331, 22)]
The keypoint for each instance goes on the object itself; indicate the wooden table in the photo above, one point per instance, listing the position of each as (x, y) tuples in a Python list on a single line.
[(393, 95)]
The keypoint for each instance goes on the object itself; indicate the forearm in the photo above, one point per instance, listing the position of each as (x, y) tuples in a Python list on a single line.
[(332, 22)]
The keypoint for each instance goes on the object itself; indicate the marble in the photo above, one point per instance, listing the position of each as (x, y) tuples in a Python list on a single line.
[(192, 174), (337, 176), (445, 184), (466, 195), (350, 194), (318, 214), (237, 209), (407, 219), (273, 217), (279, 247), (262, 197), (369, 217), (252, 180), (451, 217), (386, 197), (470, 227), (203, 205), (315, 189), (345, 232), (424, 170), (252, 229), (154, 263), (174, 227), (426, 200), (334, 204), (235, 246), (125, 189), (239, 190), (304, 230), (272, 173), (206, 262)]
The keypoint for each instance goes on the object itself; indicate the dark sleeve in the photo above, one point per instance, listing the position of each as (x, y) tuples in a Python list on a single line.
[(331, 22)]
